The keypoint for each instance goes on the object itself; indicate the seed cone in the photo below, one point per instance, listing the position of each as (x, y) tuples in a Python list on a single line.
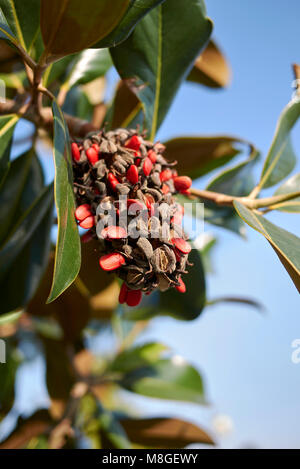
[(124, 190)]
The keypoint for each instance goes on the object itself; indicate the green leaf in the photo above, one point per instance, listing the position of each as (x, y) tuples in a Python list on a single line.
[(171, 379), (136, 357), (126, 109), (5, 31), (9, 200), (10, 317), (211, 68), (112, 433), (285, 244), (208, 244), (24, 230), (72, 25), (27, 267), (236, 300), (290, 186), (68, 257), (23, 19), (238, 180), (204, 153), (90, 64), (57, 70), (7, 127), (7, 381), (154, 63), (136, 11), (281, 159), (164, 432)]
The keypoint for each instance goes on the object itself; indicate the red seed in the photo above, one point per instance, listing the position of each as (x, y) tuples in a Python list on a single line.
[(112, 261), (75, 152), (137, 154), (123, 293), (134, 297), (182, 183), (82, 212), (147, 166), (165, 189), (87, 223), (132, 174), (87, 237), (138, 204), (113, 232), (92, 155), (96, 147), (134, 143), (177, 255), (177, 218), (182, 245), (138, 161), (181, 288), (152, 155), (113, 181), (165, 175), (187, 192), (175, 174)]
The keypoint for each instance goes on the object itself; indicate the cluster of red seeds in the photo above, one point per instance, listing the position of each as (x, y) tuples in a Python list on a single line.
[(108, 165)]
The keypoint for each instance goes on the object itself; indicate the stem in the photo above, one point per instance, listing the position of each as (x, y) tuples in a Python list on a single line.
[(228, 200)]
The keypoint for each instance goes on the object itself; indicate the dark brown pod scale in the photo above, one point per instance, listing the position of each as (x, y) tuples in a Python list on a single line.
[(150, 262)]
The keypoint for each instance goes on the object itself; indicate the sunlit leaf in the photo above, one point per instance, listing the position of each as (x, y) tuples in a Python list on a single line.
[(171, 379), (154, 64), (281, 159), (164, 432), (68, 257), (23, 19), (285, 244), (138, 356), (198, 156), (290, 186), (211, 68), (72, 25)]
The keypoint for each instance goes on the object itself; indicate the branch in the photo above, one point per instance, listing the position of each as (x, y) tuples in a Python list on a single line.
[(44, 119)]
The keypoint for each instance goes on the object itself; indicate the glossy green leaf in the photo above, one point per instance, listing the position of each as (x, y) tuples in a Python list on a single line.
[(90, 64), (136, 11), (5, 31), (112, 432), (154, 64), (7, 381), (136, 357), (10, 317), (9, 200), (126, 109), (28, 265), (238, 180), (23, 18), (285, 244), (7, 127), (68, 256), (204, 153), (211, 68), (58, 70), (24, 230), (164, 432), (281, 159), (290, 186), (171, 379), (70, 26)]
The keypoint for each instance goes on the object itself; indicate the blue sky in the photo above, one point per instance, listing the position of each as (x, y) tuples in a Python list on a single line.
[(245, 357)]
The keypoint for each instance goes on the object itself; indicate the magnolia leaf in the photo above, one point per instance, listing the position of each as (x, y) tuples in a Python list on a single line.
[(68, 257), (7, 127), (23, 20), (285, 244), (126, 108), (204, 153), (70, 26), (290, 186), (281, 159), (154, 64), (172, 379), (211, 68), (164, 432), (136, 11)]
